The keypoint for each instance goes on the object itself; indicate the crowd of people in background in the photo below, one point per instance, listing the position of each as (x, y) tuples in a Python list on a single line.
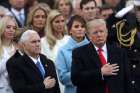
[(70, 46)]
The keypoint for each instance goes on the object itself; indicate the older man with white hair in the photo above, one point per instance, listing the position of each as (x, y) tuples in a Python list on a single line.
[(33, 72)]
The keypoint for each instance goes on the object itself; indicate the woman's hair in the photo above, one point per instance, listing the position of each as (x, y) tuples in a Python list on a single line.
[(69, 2), (32, 11), (76, 18), (3, 24), (49, 28)]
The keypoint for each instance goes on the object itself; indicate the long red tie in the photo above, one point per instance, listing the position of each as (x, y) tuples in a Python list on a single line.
[(103, 62), (101, 56)]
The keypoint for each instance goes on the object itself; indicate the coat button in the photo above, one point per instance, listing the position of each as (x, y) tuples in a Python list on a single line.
[(135, 50), (134, 66), (133, 82)]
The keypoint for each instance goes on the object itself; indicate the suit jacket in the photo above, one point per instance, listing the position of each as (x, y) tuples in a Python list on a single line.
[(18, 22), (26, 78), (86, 70)]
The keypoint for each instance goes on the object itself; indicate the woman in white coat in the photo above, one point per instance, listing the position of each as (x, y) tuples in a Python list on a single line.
[(8, 27)]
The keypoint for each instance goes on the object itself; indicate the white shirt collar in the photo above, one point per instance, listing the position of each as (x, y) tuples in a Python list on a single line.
[(35, 60), (104, 48), (16, 13)]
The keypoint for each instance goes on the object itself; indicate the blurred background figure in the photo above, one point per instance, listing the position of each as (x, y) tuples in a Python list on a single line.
[(115, 4), (105, 11), (77, 29), (89, 9), (99, 2), (37, 18), (4, 3), (51, 3), (55, 34), (3, 11), (111, 20), (65, 7), (31, 3), (76, 7), (18, 10), (8, 27)]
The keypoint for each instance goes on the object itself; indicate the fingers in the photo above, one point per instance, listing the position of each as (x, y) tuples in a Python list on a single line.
[(110, 69), (49, 82)]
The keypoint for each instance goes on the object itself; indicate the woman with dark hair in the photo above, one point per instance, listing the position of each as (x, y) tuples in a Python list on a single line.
[(77, 29)]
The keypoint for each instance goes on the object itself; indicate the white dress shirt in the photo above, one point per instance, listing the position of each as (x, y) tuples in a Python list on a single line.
[(104, 52), (17, 14)]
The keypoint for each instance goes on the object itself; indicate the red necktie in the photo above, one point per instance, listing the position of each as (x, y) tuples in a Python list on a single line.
[(101, 56), (103, 62)]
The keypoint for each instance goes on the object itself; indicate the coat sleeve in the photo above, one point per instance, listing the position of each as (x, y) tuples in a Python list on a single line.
[(51, 70), (62, 68), (18, 82)]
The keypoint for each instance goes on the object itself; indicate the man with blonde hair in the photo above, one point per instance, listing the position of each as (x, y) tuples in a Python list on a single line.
[(99, 67)]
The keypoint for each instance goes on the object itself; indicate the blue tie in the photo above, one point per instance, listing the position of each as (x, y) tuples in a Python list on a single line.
[(41, 69), (21, 19)]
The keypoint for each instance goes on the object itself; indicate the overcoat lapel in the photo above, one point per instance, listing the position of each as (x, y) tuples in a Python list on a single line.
[(31, 65), (93, 55)]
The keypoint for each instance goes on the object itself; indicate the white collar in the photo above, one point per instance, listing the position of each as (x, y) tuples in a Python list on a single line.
[(35, 60), (104, 48), (17, 12), (20, 52)]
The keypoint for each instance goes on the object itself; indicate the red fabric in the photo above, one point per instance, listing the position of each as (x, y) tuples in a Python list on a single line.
[(101, 56), (103, 62)]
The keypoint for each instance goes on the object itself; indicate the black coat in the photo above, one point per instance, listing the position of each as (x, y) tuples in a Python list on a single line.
[(26, 78), (86, 70)]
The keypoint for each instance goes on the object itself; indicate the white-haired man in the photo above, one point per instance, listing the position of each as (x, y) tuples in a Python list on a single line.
[(33, 72)]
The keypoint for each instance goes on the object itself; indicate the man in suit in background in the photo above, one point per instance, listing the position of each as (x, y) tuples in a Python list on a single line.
[(99, 67), (18, 10), (33, 72)]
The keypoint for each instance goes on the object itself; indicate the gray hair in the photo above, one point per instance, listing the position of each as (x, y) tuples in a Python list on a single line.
[(95, 22), (26, 35)]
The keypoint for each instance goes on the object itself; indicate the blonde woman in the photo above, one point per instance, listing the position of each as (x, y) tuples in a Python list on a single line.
[(55, 34), (8, 27), (37, 18), (65, 7)]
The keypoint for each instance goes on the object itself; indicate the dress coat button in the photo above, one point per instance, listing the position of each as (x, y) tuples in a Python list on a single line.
[(135, 50), (133, 82), (134, 66)]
